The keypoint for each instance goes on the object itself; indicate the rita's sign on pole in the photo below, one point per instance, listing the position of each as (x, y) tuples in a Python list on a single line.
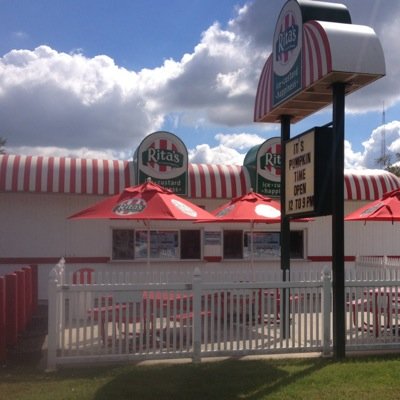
[(163, 158), (287, 53)]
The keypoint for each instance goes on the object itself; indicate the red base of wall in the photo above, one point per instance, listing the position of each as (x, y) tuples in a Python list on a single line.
[(54, 260), (104, 260)]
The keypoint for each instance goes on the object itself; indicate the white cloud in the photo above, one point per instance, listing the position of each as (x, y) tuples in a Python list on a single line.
[(239, 141), (389, 134), (82, 152), (218, 80), (232, 149), (67, 100), (72, 102), (204, 154), (351, 159)]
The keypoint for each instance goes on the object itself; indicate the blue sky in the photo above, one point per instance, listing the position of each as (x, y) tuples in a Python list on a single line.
[(135, 33), (93, 78)]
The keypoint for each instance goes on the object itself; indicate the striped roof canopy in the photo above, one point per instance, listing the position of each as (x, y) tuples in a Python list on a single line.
[(36, 174), (330, 52)]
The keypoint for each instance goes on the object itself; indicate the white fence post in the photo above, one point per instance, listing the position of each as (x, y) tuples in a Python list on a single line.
[(385, 261), (326, 293), (52, 319), (197, 315)]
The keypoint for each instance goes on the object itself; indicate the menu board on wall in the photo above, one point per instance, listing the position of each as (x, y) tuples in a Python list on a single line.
[(212, 238), (164, 244)]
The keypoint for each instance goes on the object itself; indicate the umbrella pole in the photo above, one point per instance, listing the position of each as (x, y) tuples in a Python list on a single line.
[(252, 251), (147, 224)]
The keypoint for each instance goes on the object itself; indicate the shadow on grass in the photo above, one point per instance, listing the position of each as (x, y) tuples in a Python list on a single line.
[(231, 379), (228, 379)]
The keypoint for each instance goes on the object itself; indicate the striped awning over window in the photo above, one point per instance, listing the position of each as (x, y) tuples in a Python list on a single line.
[(37, 174)]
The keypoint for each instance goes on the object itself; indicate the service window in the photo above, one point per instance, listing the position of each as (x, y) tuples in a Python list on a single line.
[(190, 244), (261, 245), (164, 244), (129, 244), (141, 244), (122, 244), (297, 244), (233, 244)]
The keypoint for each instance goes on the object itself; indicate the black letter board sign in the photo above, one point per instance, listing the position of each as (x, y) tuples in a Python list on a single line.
[(309, 173)]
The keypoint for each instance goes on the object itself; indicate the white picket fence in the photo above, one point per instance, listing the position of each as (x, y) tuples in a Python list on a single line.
[(377, 262), (124, 316)]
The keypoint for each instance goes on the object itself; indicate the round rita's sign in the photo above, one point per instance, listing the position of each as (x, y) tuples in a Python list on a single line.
[(287, 52), (163, 157), (268, 179)]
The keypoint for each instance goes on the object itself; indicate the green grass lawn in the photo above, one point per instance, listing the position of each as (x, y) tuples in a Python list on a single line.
[(309, 378)]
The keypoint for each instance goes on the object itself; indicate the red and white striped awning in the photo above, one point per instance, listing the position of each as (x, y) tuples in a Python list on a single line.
[(367, 184), (106, 177), (218, 181), (36, 174), (323, 61), (63, 175)]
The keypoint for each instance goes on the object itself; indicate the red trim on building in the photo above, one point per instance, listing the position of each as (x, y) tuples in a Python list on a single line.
[(329, 258), (53, 260), (212, 258)]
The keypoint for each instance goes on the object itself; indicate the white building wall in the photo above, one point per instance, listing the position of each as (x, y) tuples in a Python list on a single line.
[(35, 227)]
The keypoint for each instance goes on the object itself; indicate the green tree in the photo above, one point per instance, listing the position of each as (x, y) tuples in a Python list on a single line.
[(394, 169), (2, 144), (385, 161)]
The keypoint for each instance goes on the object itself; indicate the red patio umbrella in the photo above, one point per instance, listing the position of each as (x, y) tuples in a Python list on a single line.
[(387, 208), (147, 201), (251, 207)]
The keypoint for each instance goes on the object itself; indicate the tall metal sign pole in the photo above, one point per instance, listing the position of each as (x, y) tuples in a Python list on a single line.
[(339, 327), (318, 57), (285, 223)]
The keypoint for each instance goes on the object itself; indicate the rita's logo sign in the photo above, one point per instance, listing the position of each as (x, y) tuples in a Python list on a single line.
[(287, 39), (269, 167), (271, 160), (130, 206), (162, 157)]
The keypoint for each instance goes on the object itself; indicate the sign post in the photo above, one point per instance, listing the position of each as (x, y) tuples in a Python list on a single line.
[(318, 57), (285, 226), (339, 324)]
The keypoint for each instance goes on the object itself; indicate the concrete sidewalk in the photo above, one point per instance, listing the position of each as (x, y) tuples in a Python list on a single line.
[(31, 347)]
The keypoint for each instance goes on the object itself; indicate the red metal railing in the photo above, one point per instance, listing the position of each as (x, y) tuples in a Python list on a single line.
[(18, 305)]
